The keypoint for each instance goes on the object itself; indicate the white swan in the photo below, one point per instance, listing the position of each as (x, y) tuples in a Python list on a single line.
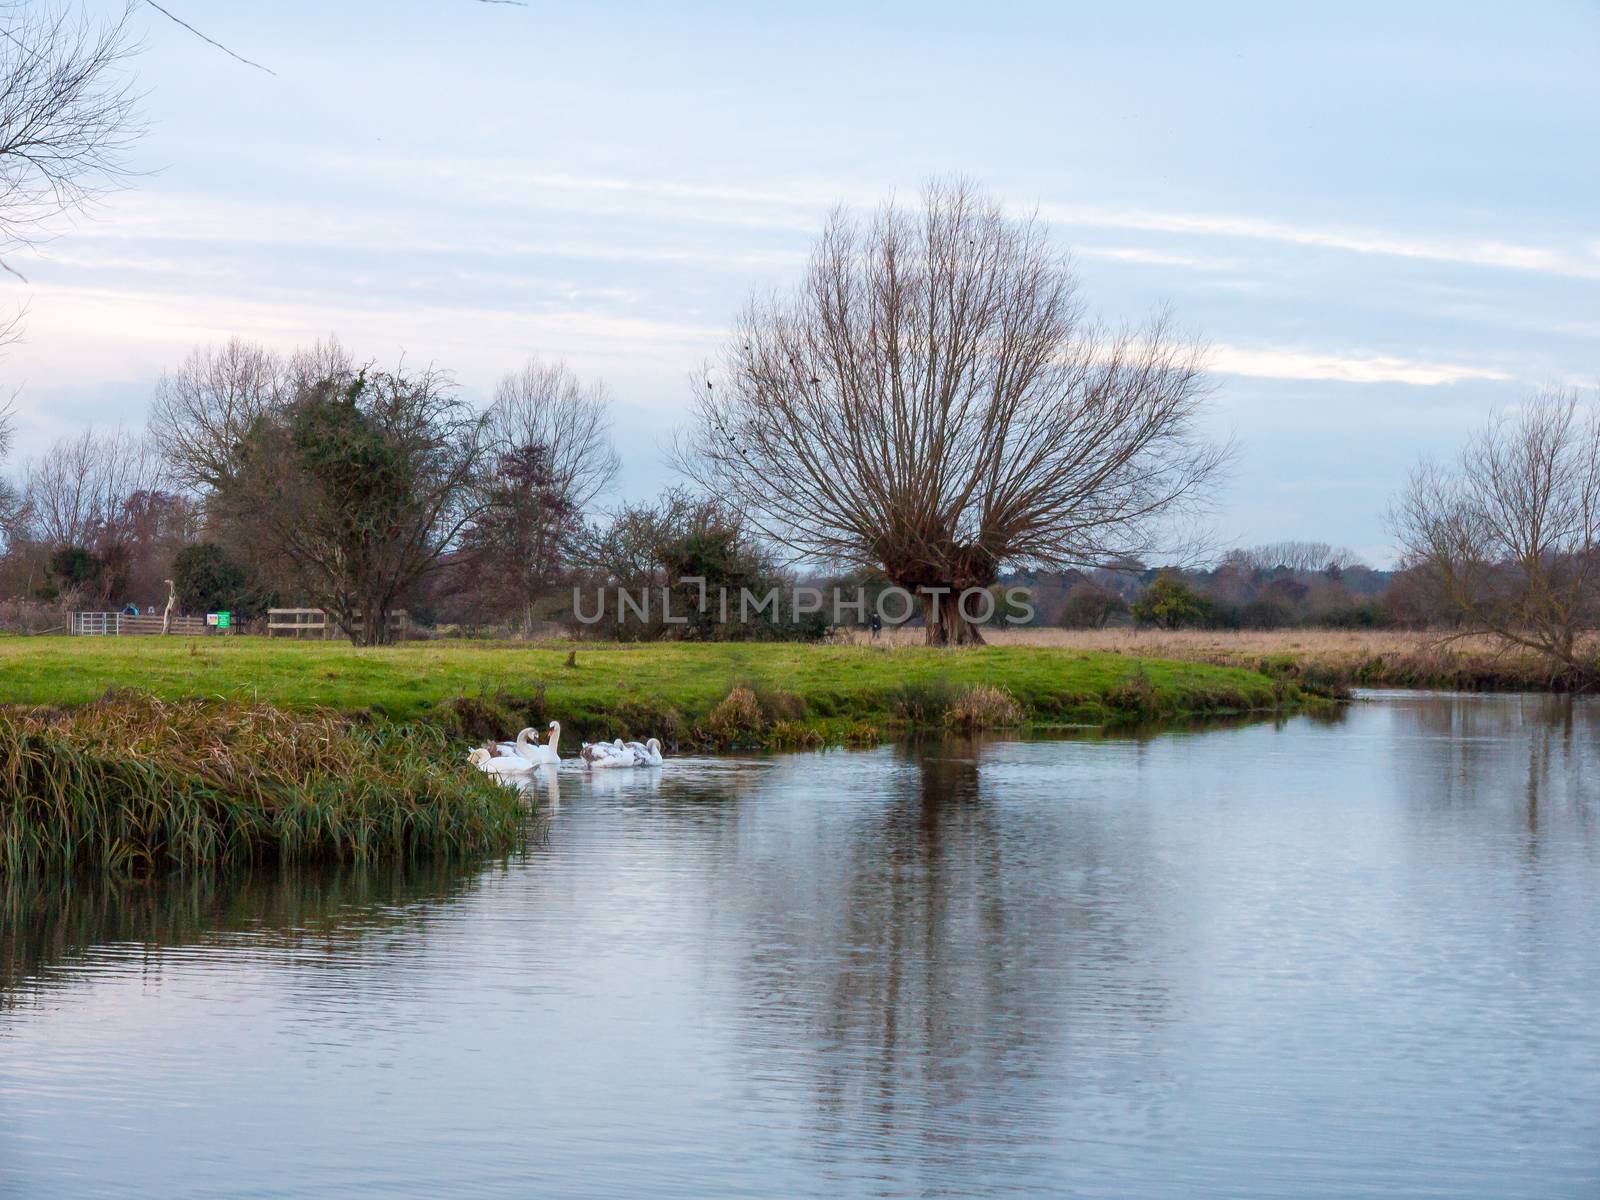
[(648, 754), (521, 746), (545, 755), (501, 764), (606, 754)]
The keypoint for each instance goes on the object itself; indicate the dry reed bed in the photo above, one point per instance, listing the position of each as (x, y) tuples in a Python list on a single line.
[(1327, 657), (132, 782)]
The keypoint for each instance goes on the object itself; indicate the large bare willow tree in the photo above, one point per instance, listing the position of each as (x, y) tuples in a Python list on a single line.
[(1509, 536), (932, 402)]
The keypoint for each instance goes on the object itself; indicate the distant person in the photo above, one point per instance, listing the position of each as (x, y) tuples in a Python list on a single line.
[(130, 610), (876, 625)]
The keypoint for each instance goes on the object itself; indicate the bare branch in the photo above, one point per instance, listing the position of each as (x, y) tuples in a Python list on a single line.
[(177, 20), (67, 116)]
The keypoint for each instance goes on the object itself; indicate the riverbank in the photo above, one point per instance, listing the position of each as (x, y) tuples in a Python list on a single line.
[(702, 695), (130, 754)]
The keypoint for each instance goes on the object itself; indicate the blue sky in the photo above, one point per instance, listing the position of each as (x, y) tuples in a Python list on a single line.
[(1381, 217)]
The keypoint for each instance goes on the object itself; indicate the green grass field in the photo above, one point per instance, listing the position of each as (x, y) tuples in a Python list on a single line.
[(624, 689)]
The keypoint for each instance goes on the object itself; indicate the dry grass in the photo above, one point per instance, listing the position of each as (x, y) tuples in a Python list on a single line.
[(983, 707), (1397, 658)]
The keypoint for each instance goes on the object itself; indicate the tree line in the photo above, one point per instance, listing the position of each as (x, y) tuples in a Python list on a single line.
[(1278, 585), (930, 405)]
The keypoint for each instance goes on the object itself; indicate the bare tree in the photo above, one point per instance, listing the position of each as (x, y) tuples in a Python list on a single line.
[(81, 492), (549, 455), (1509, 536), (545, 404), (11, 506), (202, 412), (63, 492), (12, 509), (1294, 556), (67, 114), (932, 402)]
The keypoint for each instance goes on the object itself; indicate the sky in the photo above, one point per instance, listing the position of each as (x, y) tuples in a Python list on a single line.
[(1381, 218)]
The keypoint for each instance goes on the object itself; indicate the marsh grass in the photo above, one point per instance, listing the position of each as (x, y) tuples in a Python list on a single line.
[(980, 706), (923, 703), (970, 707), (754, 714), (131, 782)]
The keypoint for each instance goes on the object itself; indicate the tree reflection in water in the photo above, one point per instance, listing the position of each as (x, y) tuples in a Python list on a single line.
[(945, 954), (1534, 757)]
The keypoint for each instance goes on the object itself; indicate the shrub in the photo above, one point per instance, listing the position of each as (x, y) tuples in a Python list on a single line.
[(475, 719), (641, 719), (1090, 606), (207, 580), (1169, 603), (775, 703)]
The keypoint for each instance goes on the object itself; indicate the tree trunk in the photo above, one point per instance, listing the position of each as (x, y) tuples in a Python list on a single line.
[(374, 628), (375, 625), (945, 626)]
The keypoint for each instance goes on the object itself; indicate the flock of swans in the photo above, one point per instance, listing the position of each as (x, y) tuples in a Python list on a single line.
[(525, 755)]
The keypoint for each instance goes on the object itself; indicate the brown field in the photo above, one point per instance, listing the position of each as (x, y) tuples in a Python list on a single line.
[(1368, 658)]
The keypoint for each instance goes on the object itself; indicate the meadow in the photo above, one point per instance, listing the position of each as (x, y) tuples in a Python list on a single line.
[(679, 691)]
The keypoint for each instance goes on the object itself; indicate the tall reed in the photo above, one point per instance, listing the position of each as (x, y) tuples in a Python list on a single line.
[(132, 782)]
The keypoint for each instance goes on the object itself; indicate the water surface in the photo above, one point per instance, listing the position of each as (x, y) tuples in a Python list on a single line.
[(1340, 959)]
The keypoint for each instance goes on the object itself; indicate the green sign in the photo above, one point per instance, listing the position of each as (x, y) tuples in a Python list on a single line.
[(224, 620)]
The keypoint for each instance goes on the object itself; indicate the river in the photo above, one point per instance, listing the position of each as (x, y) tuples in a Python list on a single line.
[(1317, 958)]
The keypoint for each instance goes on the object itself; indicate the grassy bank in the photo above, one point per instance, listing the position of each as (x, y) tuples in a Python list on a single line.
[(136, 753), (694, 694), (130, 782), (1325, 658)]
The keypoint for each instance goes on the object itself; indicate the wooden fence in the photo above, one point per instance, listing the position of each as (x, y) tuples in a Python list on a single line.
[(115, 624), (314, 623)]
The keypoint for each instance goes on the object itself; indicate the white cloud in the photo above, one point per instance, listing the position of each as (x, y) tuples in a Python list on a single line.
[(1343, 368), (1146, 257), (797, 205), (1579, 260)]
